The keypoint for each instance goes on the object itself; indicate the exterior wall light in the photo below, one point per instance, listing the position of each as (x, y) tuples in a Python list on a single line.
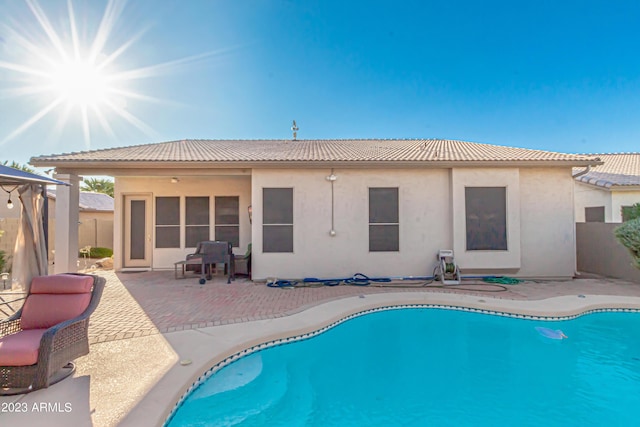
[(175, 180)]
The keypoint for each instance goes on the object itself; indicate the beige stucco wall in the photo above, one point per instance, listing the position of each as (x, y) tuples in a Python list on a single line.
[(612, 199), (589, 196), (483, 177), (547, 231), (8, 238), (540, 216), (599, 252), (95, 228), (425, 223), (432, 217), (164, 258), (620, 199)]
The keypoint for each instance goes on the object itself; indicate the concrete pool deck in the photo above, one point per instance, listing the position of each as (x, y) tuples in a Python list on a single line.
[(147, 323)]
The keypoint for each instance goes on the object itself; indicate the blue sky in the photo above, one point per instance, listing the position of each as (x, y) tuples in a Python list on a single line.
[(552, 75)]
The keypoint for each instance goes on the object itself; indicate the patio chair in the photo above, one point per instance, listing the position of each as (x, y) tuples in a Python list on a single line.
[(209, 253), (39, 342), (243, 264)]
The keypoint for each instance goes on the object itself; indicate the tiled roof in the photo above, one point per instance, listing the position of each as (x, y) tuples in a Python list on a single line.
[(90, 201), (621, 169), (289, 151)]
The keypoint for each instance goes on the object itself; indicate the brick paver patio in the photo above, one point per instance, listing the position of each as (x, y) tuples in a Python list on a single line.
[(140, 304), (146, 303)]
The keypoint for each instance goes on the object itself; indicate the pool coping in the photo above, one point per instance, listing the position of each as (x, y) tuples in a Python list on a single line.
[(209, 349)]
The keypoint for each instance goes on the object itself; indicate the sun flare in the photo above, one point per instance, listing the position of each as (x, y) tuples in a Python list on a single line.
[(75, 72), (79, 83)]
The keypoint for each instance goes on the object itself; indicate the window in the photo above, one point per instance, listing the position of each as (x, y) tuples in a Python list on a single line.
[(228, 219), (167, 222), (630, 212), (197, 221), (277, 219), (594, 214), (384, 228), (486, 218)]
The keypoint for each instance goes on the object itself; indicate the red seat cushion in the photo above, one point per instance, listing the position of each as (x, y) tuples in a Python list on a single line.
[(20, 349), (42, 311), (61, 284), (54, 299)]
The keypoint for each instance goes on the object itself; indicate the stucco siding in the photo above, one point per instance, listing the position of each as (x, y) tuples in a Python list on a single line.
[(484, 177), (539, 215), (547, 227), (424, 223), (164, 258), (620, 199), (587, 196)]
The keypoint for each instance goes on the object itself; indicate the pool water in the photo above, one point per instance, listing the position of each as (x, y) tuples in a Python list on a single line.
[(417, 367)]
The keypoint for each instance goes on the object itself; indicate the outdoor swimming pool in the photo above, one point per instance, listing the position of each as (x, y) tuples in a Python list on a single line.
[(415, 367)]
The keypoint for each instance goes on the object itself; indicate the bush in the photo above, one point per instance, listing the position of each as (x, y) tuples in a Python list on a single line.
[(629, 235), (3, 261), (630, 212), (98, 253)]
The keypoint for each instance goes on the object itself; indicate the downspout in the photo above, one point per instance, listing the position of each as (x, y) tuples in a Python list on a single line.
[(575, 233), (332, 179), (584, 172)]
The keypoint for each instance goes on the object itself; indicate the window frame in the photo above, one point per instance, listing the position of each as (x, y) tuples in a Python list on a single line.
[(218, 225), (284, 225), (161, 225), (188, 226), (373, 225), (599, 211), (504, 239)]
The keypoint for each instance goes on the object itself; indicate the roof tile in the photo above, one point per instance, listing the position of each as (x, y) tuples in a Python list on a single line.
[(343, 150), (619, 169)]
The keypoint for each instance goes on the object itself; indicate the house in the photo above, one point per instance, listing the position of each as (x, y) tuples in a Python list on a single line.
[(332, 208), (95, 221), (603, 193)]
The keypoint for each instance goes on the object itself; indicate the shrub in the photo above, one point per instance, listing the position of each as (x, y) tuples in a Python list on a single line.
[(631, 212), (629, 235), (3, 261), (98, 253)]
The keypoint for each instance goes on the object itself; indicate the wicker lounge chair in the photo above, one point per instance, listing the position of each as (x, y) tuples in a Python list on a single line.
[(38, 343)]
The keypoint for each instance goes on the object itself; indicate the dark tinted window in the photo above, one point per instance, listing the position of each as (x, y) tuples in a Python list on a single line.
[(277, 206), (486, 218), (227, 210), (167, 222), (594, 214), (277, 220), (167, 210), (228, 219), (196, 220), (383, 205), (197, 210), (384, 230)]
